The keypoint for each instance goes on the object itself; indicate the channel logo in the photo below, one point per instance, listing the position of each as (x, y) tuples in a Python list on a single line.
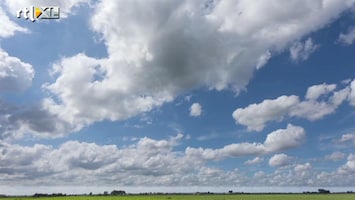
[(35, 13)]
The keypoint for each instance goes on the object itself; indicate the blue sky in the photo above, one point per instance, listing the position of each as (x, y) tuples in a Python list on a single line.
[(211, 94)]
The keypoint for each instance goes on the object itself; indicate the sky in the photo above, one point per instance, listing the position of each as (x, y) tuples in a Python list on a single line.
[(170, 94)]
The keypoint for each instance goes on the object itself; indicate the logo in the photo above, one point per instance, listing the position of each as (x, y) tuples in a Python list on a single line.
[(34, 13)]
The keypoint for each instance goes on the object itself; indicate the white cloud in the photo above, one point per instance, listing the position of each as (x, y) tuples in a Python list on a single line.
[(172, 47), (254, 161), (263, 59), (276, 141), (147, 162), (347, 38), (144, 163), (301, 51), (8, 27), (300, 168), (316, 91), (280, 160), (281, 139), (320, 100), (348, 138), (15, 75), (195, 110), (335, 156), (256, 115), (349, 166)]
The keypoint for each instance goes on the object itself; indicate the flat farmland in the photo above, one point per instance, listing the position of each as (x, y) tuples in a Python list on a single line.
[(199, 197)]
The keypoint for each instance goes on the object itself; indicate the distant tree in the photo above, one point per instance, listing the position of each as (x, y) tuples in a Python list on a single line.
[(323, 191), (230, 191), (105, 193), (118, 192)]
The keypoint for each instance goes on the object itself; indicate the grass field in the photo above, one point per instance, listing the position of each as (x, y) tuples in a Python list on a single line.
[(200, 197)]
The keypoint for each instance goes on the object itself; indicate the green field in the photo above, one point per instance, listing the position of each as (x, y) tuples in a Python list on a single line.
[(199, 197)]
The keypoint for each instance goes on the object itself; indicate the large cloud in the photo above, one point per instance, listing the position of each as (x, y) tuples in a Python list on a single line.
[(143, 163), (157, 50), (147, 162), (320, 100)]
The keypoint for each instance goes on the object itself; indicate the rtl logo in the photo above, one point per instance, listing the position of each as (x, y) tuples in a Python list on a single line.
[(34, 13)]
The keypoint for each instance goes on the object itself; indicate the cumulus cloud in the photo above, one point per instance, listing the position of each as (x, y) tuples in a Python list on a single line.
[(172, 47), (280, 160), (256, 115), (195, 110), (320, 100), (15, 75), (349, 166), (77, 162), (276, 141), (282, 139), (347, 38), (300, 168), (301, 51), (254, 161), (147, 162)]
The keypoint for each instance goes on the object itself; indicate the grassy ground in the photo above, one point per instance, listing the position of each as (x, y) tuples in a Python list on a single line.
[(199, 197)]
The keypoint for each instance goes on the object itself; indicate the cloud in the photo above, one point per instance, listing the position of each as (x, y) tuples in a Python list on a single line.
[(77, 162), (301, 51), (263, 59), (280, 160), (173, 47), (195, 110), (300, 168), (254, 161), (347, 38), (316, 91), (282, 139), (147, 162), (8, 27), (15, 75), (320, 100), (349, 166), (335, 156), (256, 115), (348, 138), (19, 121), (210, 136), (279, 140)]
